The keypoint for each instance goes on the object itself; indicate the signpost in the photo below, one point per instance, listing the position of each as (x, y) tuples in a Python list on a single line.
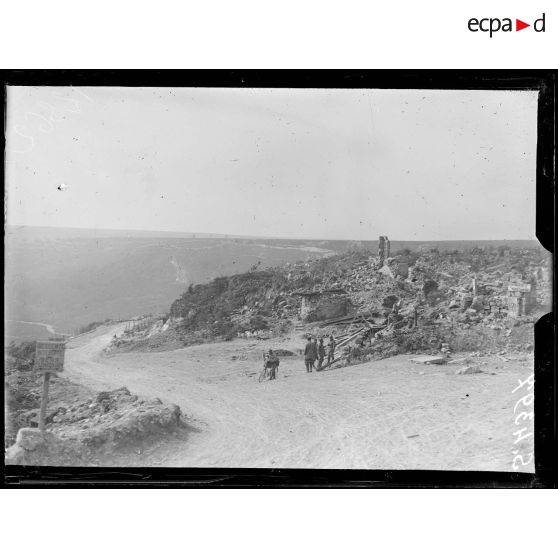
[(524, 288), (49, 359)]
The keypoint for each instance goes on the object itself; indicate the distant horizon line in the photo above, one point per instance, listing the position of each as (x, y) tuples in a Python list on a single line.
[(234, 235)]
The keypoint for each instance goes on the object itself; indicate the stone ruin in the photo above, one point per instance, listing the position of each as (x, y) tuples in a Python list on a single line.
[(383, 249), (324, 305), (521, 299), (393, 267)]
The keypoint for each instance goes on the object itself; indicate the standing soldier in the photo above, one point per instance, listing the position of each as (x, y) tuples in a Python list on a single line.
[(309, 355), (315, 343), (321, 353), (331, 350)]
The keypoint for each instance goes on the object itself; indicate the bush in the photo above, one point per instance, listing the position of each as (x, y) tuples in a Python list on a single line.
[(212, 306)]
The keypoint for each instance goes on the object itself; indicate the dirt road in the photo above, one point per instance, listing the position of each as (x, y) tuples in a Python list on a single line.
[(384, 414)]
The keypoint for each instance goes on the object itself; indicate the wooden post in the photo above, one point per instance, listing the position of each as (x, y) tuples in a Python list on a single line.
[(49, 359), (44, 402)]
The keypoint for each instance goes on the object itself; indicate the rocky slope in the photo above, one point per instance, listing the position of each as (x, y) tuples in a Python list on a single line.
[(84, 426)]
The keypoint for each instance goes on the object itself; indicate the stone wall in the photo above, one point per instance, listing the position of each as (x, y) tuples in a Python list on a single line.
[(317, 307), (522, 299)]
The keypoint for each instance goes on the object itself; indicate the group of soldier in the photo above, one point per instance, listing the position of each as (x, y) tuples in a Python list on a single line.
[(314, 351), (314, 355)]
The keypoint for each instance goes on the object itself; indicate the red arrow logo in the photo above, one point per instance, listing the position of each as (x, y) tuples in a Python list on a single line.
[(519, 25)]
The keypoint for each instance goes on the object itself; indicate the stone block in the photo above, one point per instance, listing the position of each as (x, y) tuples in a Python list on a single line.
[(29, 438), (429, 359)]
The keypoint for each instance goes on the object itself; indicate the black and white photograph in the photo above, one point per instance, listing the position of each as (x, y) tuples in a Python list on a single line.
[(272, 278)]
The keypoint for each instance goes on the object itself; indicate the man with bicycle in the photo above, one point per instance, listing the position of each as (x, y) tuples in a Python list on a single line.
[(271, 362)]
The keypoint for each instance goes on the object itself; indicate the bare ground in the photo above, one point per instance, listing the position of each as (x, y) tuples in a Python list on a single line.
[(387, 414)]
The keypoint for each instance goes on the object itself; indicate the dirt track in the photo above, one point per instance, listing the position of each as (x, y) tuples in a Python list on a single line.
[(388, 414)]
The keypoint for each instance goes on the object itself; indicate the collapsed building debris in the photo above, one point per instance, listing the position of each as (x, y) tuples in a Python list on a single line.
[(440, 297), (323, 305), (410, 301), (521, 299)]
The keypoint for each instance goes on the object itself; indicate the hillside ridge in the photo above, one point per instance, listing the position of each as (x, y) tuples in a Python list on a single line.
[(423, 298)]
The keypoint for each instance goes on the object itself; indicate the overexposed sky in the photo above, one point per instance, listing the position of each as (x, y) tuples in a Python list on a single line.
[(347, 164)]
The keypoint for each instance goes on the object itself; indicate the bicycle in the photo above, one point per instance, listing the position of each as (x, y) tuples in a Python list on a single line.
[(269, 371)]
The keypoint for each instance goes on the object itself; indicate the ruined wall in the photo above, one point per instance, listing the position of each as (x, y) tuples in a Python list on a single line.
[(315, 308), (384, 249), (522, 299)]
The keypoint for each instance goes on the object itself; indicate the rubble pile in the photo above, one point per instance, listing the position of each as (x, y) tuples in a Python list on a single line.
[(323, 305), (83, 426), (32, 448), (150, 339), (490, 294), (137, 330), (481, 298), (114, 419), (422, 298), (22, 396)]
